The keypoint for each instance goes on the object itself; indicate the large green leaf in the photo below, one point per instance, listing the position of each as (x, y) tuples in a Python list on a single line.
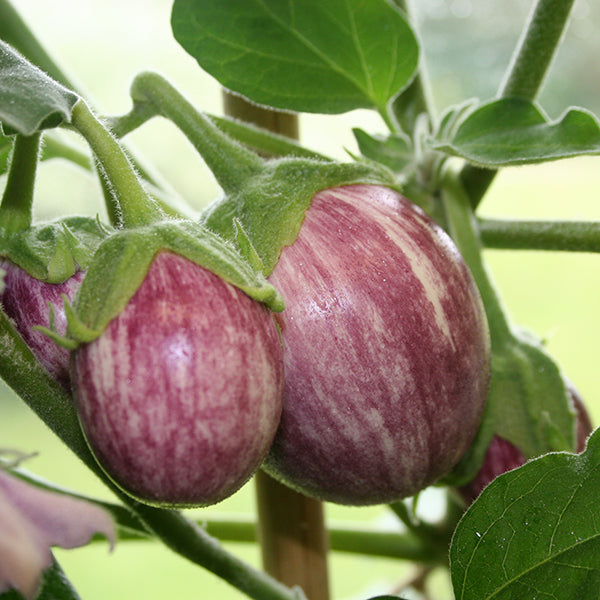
[(29, 99), (515, 131), (533, 532), (322, 56)]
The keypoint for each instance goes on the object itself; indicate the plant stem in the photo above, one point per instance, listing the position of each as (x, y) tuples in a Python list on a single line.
[(239, 528), (258, 139), (17, 200), (136, 206), (415, 99), (231, 164), (525, 74), (462, 226), (570, 236), (191, 541)]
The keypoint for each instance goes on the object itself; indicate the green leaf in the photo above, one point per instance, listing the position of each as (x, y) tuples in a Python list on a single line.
[(321, 56), (515, 131), (394, 151), (533, 532), (29, 99)]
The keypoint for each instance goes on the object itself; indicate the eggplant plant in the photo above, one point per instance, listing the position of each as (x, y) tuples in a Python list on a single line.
[(329, 326)]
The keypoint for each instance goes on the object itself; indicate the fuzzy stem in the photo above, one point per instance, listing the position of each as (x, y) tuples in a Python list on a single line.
[(17, 201), (415, 99), (463, 229), (570, 236), (231, 164), (525, 74), (136, 206)]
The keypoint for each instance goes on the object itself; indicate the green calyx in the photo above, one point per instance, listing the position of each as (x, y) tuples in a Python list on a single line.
[(271, 204), (268, 196), (54, 251), (122, 261)]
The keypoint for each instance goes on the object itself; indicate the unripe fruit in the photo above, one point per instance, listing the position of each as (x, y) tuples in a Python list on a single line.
[(502, 456), (26, 301), (180, 396), (386, 350)]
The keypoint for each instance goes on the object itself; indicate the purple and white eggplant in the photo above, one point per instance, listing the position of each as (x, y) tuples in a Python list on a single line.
[(386, 350), (180, 396), (502, 456), (30, 303)]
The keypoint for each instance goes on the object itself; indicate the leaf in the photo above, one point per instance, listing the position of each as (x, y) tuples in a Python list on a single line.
[(394, 151), (29, 99), (533, 532), (320, 56), (515, 131)]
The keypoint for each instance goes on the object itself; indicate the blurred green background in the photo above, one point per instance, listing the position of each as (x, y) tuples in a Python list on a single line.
[(102, 44)]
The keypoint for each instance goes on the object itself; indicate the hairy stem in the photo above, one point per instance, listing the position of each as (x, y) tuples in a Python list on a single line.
[(570, 236), (135, 205), (17, 200), (525, 74), (231, 163), (462, 226), (415, 99)]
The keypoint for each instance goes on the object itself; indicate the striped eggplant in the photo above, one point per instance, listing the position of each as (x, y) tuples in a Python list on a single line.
[(502, 456), (386, 350), (180, 396), (27, 300)]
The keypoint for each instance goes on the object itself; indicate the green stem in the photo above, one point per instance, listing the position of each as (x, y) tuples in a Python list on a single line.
[(525, 74), (17, 201), (231, 164), (239, 528), (415, 99), (56, 585), (462, 226), (136, 206), (570, 236), (24, 374), (265, 143)]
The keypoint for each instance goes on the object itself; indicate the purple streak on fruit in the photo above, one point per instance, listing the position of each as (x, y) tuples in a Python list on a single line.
[(26, 301), (180, 396), (386, 350), (502, 456)]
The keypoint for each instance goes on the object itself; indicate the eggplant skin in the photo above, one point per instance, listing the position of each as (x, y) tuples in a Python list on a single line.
[(386, 350), (181, 395), (26, 300), (502, 456)]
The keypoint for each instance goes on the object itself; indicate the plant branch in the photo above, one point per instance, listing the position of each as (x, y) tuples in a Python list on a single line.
[(570, 236), (239, 528), (135, 204), (525, 74), (17, 200), (463, 229), (415, 99), (231, 163)]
